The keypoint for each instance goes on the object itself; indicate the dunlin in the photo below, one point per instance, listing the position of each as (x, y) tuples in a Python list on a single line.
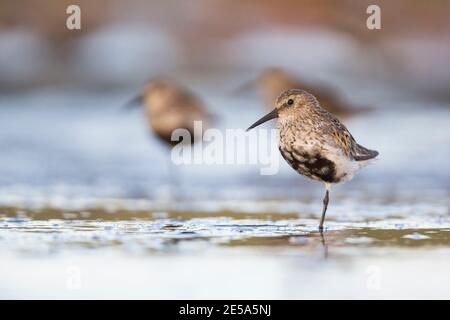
[(170, 106), (314, 142), (273, 81)]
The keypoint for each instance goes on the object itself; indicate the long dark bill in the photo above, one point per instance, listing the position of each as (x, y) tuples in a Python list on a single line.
[(271, 115)]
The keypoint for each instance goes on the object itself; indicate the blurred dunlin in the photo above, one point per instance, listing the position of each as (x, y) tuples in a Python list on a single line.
[(169, 106), (314, 142), (273, 81)]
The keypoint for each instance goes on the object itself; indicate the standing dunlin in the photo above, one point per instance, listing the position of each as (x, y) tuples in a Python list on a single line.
[(314, 142), (169, 106), (273, 81)]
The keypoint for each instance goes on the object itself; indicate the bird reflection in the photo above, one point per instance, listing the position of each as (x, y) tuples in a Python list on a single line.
[(324, 244)]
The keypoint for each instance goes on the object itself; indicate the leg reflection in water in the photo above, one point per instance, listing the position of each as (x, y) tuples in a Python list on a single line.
[(324, 244)]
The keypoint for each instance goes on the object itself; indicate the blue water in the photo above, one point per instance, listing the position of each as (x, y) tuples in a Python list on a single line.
[(87, 209)]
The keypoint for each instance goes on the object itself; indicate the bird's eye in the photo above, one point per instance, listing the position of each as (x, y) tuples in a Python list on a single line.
[(290, 102)]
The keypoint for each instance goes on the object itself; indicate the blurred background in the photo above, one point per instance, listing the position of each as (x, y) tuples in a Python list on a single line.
[(67, 144), (61, 90), (123, 44)]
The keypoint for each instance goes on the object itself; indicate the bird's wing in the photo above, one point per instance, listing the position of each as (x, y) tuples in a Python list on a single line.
[(345, 141), (188, 102), (192, 109)]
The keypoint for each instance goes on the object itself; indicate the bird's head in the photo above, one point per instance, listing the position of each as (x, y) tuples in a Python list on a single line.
[(274, 76), (274, 80), (290, 103), (156, 95), (159, 92)]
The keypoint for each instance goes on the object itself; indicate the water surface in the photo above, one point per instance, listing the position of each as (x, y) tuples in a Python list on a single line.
[(87, 209)]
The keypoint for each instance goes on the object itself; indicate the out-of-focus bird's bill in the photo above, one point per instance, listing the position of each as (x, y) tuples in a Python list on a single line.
[(244, 87), (135, 102)]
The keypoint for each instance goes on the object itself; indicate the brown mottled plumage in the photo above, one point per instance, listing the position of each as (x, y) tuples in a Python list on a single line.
[(169, 106), (314, 142), (274, 81)]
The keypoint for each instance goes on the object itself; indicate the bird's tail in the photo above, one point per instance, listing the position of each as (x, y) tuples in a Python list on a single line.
[(363, 154)]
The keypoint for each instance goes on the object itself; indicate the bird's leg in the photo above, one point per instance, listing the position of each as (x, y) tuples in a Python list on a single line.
[(325, 206), (324, 244)]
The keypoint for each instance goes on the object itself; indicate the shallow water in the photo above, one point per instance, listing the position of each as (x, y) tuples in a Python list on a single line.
[(98, 253), (87, 210)]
